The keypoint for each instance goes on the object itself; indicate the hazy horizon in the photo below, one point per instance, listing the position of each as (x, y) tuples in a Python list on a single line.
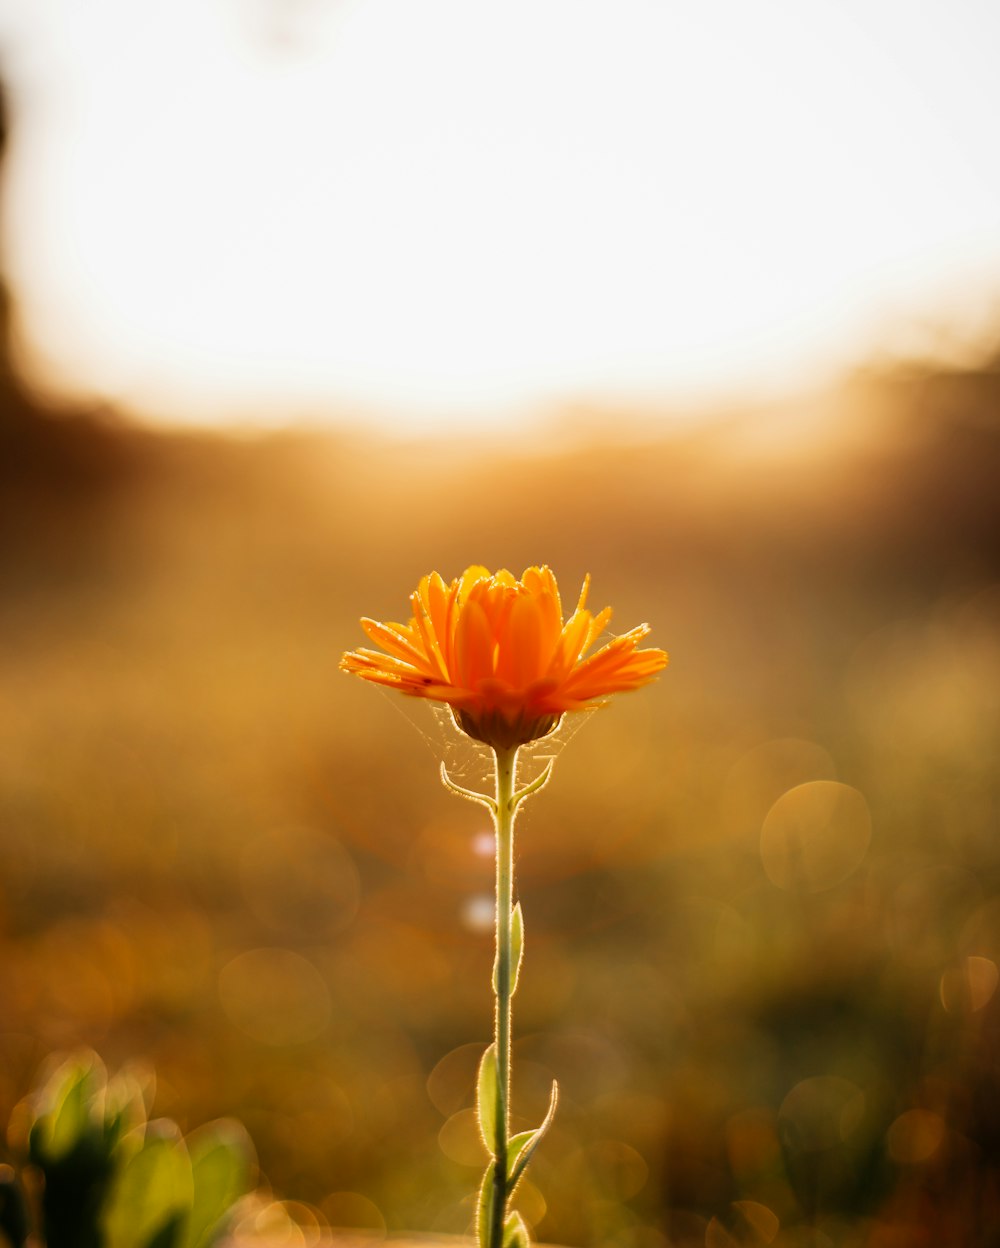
[(219, 209)]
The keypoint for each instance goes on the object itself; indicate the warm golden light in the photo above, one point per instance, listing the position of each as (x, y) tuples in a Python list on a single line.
[(436, 209), (758, 904)]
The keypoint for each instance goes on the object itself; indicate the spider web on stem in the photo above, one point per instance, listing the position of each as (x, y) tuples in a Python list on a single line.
[(470, 762)]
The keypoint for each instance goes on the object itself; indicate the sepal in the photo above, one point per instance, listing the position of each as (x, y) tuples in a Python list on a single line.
[(482, 799), (538, 783)]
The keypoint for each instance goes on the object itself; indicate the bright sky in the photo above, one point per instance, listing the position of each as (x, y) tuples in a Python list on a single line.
[(432, 208)]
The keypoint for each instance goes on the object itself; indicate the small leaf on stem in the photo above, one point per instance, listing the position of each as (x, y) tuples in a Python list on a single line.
[(484, 1206), (486, 1098), (516, 951), (516, 946), (521, 1148), (515, 1233), (539, 783), (482, 799)]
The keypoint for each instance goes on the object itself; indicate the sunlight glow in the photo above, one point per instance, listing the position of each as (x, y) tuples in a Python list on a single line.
[(449, 207)]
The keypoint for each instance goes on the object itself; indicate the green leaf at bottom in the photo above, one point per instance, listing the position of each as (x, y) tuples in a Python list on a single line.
[(484, 1206), (515, 1233)]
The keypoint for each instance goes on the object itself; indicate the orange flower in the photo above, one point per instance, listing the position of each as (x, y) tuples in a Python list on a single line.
[(497, 651)]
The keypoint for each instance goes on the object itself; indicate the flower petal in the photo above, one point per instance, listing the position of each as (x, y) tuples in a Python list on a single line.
[(519, 657), (474, 645), (390, 639), (496, 650)]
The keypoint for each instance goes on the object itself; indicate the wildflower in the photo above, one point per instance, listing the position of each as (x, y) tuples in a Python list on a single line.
[(499, 653)]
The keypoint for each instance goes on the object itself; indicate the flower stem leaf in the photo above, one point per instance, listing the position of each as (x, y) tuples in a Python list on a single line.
[(516, 951), (538, 783), (484, 1206), (486, 1099), (515, 1233), (481, 799), (521, 1148), (516, 946)]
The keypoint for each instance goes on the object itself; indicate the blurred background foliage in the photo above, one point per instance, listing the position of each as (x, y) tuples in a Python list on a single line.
[(762, 898), (97, 1173)]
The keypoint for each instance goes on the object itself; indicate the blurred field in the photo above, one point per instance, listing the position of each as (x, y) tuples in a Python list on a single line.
[(762, 898)]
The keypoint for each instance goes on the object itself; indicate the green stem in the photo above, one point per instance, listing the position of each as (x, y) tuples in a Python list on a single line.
[(506, 769)]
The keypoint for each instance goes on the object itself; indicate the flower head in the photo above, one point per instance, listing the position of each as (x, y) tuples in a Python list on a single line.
[(498, 651)]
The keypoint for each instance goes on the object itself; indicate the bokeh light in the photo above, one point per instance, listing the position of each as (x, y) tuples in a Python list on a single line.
[(275, 996), (815, 836)]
